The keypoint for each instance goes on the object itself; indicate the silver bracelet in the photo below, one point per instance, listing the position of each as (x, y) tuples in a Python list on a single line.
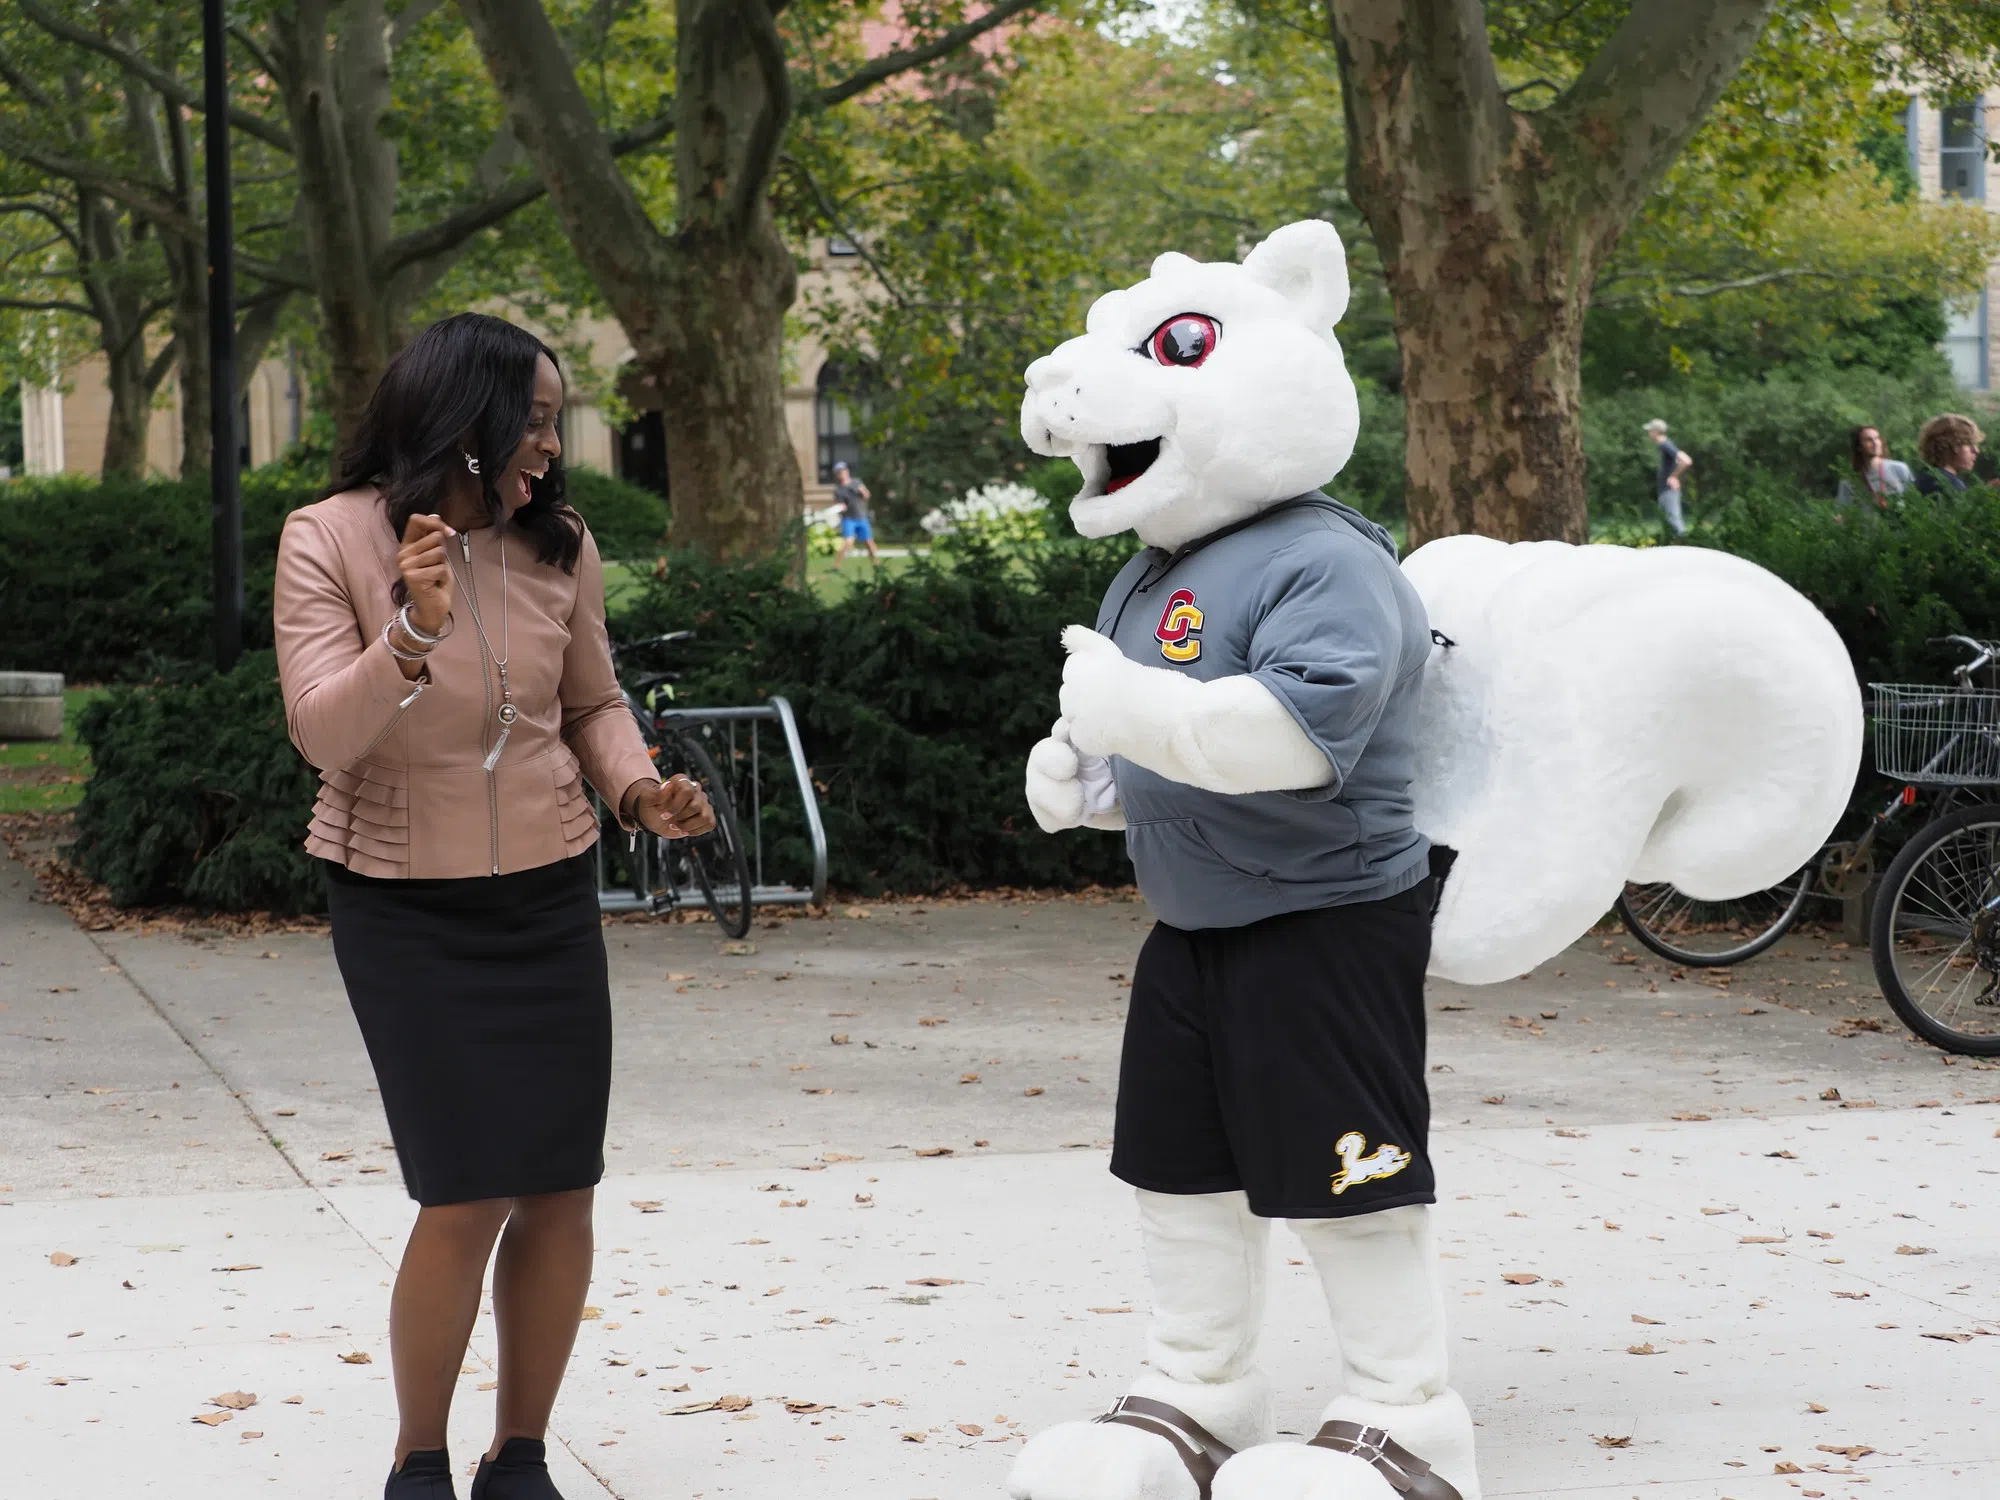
[(421, 637), (388, 639)]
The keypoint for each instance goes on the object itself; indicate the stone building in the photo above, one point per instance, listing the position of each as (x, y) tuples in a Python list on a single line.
[(1948, 155)]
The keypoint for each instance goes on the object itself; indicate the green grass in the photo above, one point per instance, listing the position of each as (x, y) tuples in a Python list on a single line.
[(829, 582), (47, 775)]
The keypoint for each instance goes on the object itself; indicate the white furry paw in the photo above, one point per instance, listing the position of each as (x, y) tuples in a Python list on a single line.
[(1055, 793), (1099, 1461), (1109, 702)]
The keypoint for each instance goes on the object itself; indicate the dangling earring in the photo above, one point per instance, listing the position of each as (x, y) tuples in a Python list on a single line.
[(471, 464)]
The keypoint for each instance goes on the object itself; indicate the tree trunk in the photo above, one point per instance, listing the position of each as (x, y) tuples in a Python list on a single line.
[(733, 476), (131, 408), (1492, 223)]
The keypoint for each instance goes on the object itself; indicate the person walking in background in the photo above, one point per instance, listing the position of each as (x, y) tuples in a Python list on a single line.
[(455, 837), (1673, 464), (1949, 447), (852, 496), (1879, 475)]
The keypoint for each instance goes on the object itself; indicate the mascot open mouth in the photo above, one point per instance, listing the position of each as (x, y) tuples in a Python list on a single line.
[(1128, 461)]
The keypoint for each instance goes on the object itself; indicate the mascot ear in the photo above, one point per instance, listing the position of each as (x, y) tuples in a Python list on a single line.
[(1305, 264), (1173, 263)]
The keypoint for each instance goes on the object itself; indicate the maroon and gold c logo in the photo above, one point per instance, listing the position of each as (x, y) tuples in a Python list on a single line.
[(1180, 626)]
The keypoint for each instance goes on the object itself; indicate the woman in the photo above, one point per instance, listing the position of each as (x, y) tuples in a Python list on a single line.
[(441, 645), (1880, 475), (1949, 446)]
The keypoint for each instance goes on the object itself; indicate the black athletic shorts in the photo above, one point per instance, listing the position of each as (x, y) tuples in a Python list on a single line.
[(1284, 1059)]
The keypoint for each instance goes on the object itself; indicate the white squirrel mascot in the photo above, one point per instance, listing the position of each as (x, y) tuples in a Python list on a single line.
[(1291, 731)]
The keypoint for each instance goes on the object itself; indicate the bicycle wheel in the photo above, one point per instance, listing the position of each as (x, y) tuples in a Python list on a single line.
[(715, 859), (1935, 932), (1710, 934)]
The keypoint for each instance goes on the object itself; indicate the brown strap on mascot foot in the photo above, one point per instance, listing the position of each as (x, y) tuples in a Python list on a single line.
[(1201, 1450), (1407, 1474)]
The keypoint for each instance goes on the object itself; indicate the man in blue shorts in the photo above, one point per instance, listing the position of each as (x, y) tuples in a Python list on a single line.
[(852, 496)]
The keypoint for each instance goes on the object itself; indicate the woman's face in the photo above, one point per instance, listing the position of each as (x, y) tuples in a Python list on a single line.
[(539, 446), (1871, 443), (1964, 456)]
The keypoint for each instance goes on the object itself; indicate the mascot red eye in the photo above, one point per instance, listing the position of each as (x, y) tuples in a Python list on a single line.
[(1186, 340)]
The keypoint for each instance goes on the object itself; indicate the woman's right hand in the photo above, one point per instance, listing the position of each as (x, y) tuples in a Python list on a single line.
[(426, 571)]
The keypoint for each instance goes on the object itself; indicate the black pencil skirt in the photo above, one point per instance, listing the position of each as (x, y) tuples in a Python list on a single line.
[(486, 1008)]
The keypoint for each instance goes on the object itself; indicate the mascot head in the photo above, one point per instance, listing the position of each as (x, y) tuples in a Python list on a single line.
[(1204, 393)]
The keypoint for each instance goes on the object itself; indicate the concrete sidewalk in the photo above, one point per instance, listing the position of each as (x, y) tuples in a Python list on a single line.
[(199, 1201)]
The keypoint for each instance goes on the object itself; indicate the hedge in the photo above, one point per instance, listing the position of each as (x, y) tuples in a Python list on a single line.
[(110, 581), (918, 697)]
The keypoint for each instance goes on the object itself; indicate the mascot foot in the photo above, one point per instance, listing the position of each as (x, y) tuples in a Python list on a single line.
[(1428, 1456), (1147, 1447)]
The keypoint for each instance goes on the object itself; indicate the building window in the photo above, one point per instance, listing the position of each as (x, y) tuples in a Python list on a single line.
[(833, 420), (642, 452), (1962, 152), (1965, 344)]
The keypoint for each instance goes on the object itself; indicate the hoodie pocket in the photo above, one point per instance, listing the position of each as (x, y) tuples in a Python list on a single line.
[(1183, 877)]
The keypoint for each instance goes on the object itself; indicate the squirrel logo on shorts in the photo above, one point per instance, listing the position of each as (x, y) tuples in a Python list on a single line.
[(1384, 1161), (1180, 627)]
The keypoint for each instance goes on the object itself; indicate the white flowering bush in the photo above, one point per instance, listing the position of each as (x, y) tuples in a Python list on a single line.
[(823, 531), (995, 512)]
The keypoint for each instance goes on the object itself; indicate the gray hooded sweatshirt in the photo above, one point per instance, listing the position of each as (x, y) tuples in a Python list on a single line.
[(1307, 598)]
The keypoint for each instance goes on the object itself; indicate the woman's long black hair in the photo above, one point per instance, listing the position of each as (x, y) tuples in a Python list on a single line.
[(467, 374)]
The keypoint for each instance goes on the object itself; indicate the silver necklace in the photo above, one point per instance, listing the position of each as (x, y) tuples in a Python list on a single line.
[(508, 713)]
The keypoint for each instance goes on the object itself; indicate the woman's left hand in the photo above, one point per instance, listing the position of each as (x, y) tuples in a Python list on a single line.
[(674, 809)]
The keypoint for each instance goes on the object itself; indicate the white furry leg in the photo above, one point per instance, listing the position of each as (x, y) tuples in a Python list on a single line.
[(1382, 1288), (1206, 1255)]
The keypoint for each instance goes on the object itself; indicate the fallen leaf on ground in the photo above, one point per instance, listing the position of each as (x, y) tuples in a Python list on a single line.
[(1520, 1278), (934, 1281), (1030, 1093), (235, 1400), (1783, 1155), (1613, 1442), (1641, 1349), (1690, 1115), (357, 1358), (1762, 1239), (246, 1266), (1816, 1408), (1642, 1318), (934, 1151), (1784, 1466), (913, 1437), (1915, 1250), (1854, 1296), (1110, 1309), (1951, 1338), (215, 1418), (805, 1408), (971, 1429), (969, 1078), (933, 1020), (1851, 1450), (1494, 1099), (592, 1314), (647, 1205), (336, 1156), (62, 1258)]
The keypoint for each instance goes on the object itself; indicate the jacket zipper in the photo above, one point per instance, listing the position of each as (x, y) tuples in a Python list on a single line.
[(416, 692), (486, 683)]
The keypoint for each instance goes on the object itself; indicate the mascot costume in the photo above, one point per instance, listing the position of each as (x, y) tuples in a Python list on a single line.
[(1335, 775)]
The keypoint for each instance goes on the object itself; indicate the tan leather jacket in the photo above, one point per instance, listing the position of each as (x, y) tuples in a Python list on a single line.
[(404, 790)]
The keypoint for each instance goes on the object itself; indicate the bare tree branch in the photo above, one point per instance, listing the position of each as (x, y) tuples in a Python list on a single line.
[(891, 63), (760, 153), (41, 211), (448, 233), (28, 304), (1714, 288), (832, 212), (163, 83)]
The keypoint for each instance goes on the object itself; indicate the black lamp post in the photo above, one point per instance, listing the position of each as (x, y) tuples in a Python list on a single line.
[(226, 499)]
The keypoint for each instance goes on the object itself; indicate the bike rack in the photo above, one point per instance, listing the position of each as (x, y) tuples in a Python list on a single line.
[(751, 820)]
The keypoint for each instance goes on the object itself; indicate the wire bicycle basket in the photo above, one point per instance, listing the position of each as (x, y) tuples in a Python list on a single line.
[(1930, 735)]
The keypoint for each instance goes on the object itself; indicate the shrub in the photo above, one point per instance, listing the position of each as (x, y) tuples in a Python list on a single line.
[(918, 698), (197, 795), (106, 581)]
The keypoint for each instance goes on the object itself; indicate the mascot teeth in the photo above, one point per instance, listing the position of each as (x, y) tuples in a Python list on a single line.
[(1261, 712)]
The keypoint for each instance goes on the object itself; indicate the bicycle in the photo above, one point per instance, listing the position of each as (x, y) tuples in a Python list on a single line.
[(663, 872)]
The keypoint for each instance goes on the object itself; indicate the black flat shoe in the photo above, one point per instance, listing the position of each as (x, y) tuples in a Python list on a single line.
[(520, 1471), (421, 1476)]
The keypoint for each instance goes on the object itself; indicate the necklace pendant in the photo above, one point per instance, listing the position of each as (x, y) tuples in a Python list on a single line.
[(508, 714)]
